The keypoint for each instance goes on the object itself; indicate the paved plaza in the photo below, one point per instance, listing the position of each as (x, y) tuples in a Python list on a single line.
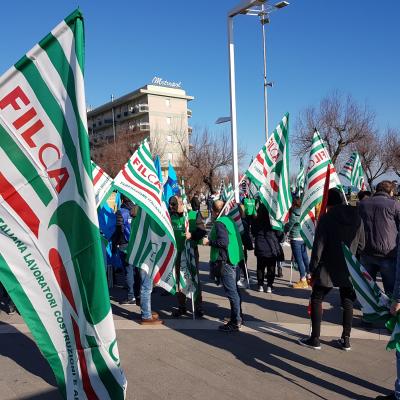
[(186, 359)]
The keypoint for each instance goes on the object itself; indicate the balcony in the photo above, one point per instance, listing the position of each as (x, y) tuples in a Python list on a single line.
[(189, 113), (144, 126), (190, 130), (142, 108)]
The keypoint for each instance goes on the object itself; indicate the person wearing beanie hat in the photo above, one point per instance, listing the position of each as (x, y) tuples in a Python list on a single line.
[(341, 224)]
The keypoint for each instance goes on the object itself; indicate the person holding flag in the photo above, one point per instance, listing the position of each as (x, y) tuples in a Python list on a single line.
[(195, 232), (226, 254), (340, 224)]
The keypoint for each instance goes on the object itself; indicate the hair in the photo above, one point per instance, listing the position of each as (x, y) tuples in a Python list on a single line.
[(335, 197), (217, 206), (384, 186), (296, 203), (362, 194)]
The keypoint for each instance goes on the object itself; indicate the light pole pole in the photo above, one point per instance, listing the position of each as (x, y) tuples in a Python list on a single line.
[(113, 122), (249, 7)]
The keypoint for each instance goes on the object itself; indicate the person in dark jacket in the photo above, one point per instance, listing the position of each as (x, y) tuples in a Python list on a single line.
[(266, 248), (381, 216), (341, 224), (195, 202)]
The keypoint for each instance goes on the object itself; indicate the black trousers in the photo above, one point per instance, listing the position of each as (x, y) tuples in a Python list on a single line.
[(270, 264), (347, 296)]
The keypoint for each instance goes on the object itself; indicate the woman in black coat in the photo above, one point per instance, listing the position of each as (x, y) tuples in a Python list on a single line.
[(266, 248)]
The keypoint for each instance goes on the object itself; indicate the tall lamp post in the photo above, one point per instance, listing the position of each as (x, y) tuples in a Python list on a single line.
[(249, 7)]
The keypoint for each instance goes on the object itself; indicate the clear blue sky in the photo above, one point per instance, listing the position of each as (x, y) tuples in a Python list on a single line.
[(314, 47)]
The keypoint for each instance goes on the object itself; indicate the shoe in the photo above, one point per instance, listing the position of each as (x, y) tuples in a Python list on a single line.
[(269, 289), (260, 288), (128, 302), (154, 314), (390, 396), (199, 313), (151, 321), (11, 310), (229, 327), (344, 343), (301, 284), (179, 312), (241, 284), (310, 342)]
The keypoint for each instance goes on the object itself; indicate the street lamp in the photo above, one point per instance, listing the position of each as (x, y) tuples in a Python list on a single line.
[(247, 7)]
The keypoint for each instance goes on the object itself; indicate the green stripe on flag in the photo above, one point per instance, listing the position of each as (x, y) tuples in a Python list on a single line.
[(145, 182), (39, 332), (54, 112), (57, 57), (114, 389), (75, 22), (24, 166)]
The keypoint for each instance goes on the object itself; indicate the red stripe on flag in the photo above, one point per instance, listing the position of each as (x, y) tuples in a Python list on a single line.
[(87, 385), (167, 260), (98, 176), (23, 119), (317, 179), (19, 205), (132, 182), (60, 273)]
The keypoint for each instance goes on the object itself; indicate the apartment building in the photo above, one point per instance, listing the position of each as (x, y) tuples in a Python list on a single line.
[(158, 111)]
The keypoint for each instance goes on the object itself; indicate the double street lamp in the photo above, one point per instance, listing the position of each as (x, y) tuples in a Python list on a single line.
[(261, 9)]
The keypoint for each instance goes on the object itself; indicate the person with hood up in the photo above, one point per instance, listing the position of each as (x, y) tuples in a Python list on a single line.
[(341, 224)]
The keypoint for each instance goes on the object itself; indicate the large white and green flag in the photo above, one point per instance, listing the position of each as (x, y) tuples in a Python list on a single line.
[(375, 304), (353, 171), (152, 245), (102, 184), (269, 171), (314, 187), (51, 261)]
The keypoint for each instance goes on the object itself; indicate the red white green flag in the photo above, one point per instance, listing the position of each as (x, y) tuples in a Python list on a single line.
[(102, 184), (232, 209), (314, 187), (51, 261), (353, 171), (270, 172), (152, 245)]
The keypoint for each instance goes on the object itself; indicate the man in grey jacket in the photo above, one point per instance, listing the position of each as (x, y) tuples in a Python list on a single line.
[(381, 217)]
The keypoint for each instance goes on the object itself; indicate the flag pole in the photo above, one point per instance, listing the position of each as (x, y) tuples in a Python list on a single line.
[(193, 313)]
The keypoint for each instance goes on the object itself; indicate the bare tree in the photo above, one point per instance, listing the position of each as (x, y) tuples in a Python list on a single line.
[(206, 158), (392, 147), (340, 120), (374, 153)]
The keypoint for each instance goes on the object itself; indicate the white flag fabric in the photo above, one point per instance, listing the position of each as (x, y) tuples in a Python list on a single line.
[(102, 184)]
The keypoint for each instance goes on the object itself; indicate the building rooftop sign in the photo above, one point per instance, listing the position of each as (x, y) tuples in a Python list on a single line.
[(162, 82)]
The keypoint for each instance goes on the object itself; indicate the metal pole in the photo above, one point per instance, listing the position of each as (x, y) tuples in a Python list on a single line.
[(264, 20), (231, 49)]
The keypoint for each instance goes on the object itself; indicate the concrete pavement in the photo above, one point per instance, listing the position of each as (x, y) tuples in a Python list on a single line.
[(191, 359)]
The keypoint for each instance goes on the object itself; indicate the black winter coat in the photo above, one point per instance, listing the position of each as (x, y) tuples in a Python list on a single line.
[(341, 223)]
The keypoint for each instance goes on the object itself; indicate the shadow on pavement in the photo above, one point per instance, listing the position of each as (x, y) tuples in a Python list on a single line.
[(47, 395)]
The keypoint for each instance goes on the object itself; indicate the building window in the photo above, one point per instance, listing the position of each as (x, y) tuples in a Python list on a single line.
[(168, 120), (169, 156), (169, 138), (167, 102)]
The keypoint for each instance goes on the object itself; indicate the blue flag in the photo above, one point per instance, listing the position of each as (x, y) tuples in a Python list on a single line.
[(157, 164), (171, 187), (117, 203)]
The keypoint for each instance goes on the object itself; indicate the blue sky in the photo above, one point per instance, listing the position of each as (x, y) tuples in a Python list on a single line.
[(314, 47)]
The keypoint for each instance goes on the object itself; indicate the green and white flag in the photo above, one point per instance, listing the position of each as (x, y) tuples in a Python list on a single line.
[(353, 171), (102, 184), (300, 179), (375, 304), (314, 187), (231, 208), (51, 261), (152, 245), (189, 278), (270, 172)]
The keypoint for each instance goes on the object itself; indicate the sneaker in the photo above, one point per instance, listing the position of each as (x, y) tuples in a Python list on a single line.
[(229, 327), (390, 396), (269, 289), (151, 321), (179, 312), (260, 288), (11, 309), (344, 343), (241, 284), (301, 284), (128, 302), (310, 342)]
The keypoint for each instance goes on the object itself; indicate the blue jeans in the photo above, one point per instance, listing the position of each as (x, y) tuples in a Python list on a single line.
[(386, 267), (300, 256), (229, 278), (145, 294), (397, 384)]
